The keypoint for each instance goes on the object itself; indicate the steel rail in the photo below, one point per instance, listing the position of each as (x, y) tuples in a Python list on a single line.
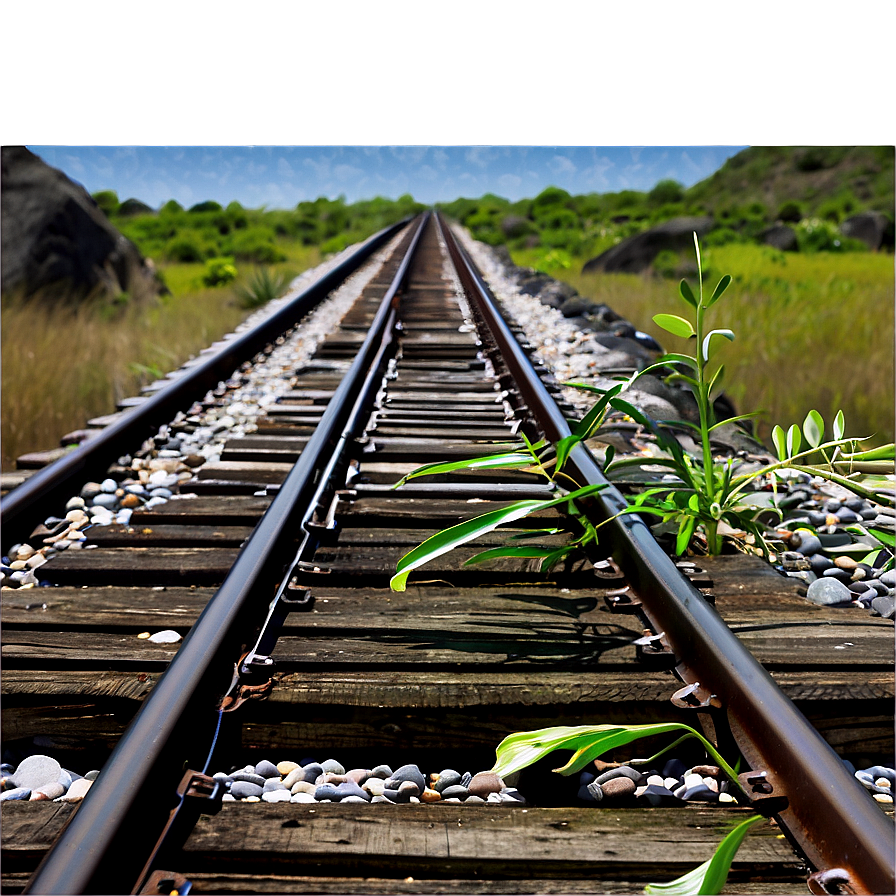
[(40, 495), (112, 835), (828, 813)]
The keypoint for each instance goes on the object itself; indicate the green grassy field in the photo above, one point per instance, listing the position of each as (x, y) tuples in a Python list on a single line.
[(812, 330), (65, 364)]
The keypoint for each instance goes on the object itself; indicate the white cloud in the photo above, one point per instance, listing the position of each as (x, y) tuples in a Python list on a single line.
[(562, 165), (284, 169), (346, 172)]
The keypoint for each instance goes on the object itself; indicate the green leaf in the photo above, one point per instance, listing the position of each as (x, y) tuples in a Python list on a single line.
[(839, 426), (564, 446), (813, 428), (450, 538), (717, 292), (883, 536), (794, 440), (674, 324), (709, 341), (508, 551), (710, 877), (685, 531), (780, 442), (733, 420), (492, 462), (676, 358), (884, 452), (609, 454), (699, 263), (687, 293), (716, 377)]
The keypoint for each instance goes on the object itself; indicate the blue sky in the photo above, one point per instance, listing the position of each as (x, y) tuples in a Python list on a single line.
[(281, 176)]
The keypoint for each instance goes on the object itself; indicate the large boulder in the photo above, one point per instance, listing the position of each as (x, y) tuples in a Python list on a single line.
[(869, 227), (54, 236), (779, 236), (635, 254)]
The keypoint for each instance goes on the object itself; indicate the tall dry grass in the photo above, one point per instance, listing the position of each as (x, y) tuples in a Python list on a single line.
[(812, 331), (63, 364)]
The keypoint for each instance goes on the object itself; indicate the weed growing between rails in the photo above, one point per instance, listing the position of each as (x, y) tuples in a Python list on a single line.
[(709, 500), (589, 742)]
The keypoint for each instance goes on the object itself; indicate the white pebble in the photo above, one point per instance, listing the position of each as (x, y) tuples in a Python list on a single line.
[(165, 637)]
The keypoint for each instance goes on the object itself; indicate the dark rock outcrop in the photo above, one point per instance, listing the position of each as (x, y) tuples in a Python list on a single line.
[(779, 236), (635, 254), (55, 236), (869, 227)]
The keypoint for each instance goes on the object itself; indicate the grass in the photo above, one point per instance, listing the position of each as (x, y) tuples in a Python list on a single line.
[(63, 365), (813, 331)]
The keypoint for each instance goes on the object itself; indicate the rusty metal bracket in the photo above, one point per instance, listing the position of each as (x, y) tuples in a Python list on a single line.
[(200, 794), (621, 600), (654, 650), (831, 882), (166, 882), (695, 696), (246, 692), (764, 797)]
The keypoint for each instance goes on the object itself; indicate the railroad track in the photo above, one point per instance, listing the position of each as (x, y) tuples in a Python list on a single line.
[(274, 564)]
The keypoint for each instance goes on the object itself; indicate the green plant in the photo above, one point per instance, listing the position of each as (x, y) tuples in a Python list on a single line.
[(588, 742), (219, 271), (711, 495), (261, 288)]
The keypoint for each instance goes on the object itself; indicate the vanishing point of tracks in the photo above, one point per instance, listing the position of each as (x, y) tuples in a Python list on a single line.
[(276, 570)]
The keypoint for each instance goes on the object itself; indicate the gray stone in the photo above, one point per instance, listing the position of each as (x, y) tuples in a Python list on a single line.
[(872, 228), (617, 788), (455, 791), (381, 771), (623, 771), (351, 789), (407, 773), (809, 544), (636, 253), (104, 500), (273, 784), (242, 789), (17, 793), (700, 794), (93, 774), (326, 792), (312, 772), (780, 237), (249, 777), (332, 766), (108, 486), (888, 578), (828, 592), (884, 606), (267, 769), (447, 778), (37, 770)]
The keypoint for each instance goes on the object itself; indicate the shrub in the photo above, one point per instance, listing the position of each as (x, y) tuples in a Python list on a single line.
[(721, 236), (261, 288), (134, 207), (219, 271), (208, 206), (171, 207), (665, 192), (790, 212), (256, 244), (666, 263), (107, 200), (185, 247)]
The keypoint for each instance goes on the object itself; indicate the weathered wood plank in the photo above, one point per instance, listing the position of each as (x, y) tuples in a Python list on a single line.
[(140, 566), (233, 510), (443, 841), (390, 473), (163, 535), (428, 514), (245, 471)]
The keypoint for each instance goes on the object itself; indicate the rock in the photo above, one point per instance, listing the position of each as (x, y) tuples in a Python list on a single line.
[(374, 786), (872, 228), (266, 769), (326, 792), (818, 563), (407, 773), (700, 793), (381, 771), (273, 784), (312, 771), (77, 791), (473, 799), (48, 791), (302, 798), (36, 771), (623, 771), (636, 253), (447, 778), (358, 775), (455, 791), (287, 768), (17, 793), (485, 783), (331, 765), (575, 306), (276, 796), (166, 637), (618, 788), (248, 777), (780, 237), (243, 789), (302, 787), (430, 796), (351, 789), (674, 768), (809, 544), (829, 592), (884, 606), (54, 234)]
